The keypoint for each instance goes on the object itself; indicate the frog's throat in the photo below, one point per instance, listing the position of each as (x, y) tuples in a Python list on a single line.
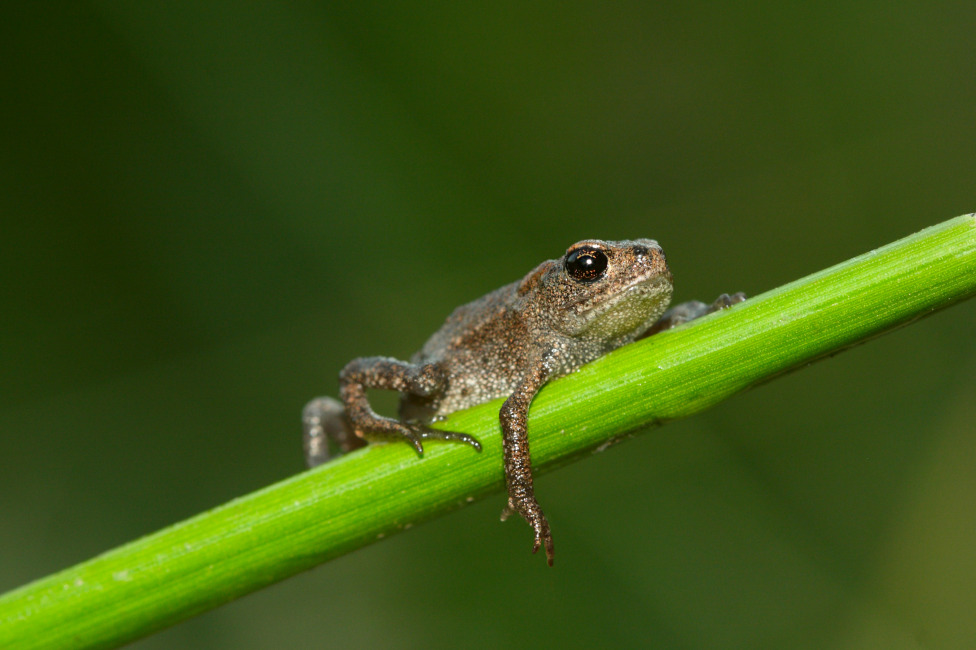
[(630, 311)]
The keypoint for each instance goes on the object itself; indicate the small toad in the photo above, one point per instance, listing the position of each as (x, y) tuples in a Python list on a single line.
[(599, 296)]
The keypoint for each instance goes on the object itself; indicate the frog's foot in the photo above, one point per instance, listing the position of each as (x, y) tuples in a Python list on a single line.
[(691, 310), (326, 431), (414, 433), (532, 513), (724, 301), (385, 373), (424, 432)]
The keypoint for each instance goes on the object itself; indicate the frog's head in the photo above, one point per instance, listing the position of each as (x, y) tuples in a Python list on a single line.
[(609, 291)]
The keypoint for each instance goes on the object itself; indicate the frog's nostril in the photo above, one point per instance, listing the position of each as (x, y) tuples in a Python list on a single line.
[(640, 250)]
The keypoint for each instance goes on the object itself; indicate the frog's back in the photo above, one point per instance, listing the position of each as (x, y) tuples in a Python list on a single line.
[(471, 327), (478, 351)]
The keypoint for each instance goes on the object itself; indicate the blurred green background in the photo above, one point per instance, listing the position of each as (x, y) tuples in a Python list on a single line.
[(208, 209)]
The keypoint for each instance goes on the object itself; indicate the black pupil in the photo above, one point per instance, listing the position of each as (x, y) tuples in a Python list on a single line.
[(586, 264)]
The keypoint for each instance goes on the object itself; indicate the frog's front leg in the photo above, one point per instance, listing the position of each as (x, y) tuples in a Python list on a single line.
[(384, 373), (691, 310), (518, 463)]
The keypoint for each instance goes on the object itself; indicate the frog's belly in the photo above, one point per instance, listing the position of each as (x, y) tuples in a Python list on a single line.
[(461, 394)]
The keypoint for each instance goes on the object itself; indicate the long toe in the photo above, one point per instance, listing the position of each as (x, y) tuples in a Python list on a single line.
[(456, 436)]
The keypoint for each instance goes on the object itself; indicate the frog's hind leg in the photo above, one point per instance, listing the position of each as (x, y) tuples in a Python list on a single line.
[(325, 425), (385, 373)]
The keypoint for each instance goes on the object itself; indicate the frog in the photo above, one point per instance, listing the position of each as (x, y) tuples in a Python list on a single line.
[(566, 312)]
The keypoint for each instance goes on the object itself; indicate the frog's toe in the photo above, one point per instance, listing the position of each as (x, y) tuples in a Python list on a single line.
[(725, 301), (463, 437), (413, 437), (543, 538), (437, 434), (415, 433)]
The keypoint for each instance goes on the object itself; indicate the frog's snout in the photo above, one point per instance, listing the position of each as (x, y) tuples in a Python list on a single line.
[(658, 261)]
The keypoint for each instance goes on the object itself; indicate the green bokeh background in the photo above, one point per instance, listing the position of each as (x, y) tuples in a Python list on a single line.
[(208, 209)]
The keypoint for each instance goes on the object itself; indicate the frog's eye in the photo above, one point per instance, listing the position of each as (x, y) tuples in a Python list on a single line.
[(586, 263)]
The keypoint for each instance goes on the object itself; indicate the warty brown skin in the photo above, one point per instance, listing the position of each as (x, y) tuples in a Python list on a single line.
[(509, 343)]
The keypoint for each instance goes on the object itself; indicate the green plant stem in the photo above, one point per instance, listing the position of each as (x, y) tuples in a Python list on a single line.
[(317, 515)]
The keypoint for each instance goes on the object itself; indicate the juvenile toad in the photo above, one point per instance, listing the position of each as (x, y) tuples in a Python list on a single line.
[(564, 313)]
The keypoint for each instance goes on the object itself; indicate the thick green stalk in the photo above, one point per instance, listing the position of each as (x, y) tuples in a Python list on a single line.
[(317, 515)]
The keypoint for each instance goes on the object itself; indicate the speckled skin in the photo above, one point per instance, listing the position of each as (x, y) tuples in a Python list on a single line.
[(509, 343)]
